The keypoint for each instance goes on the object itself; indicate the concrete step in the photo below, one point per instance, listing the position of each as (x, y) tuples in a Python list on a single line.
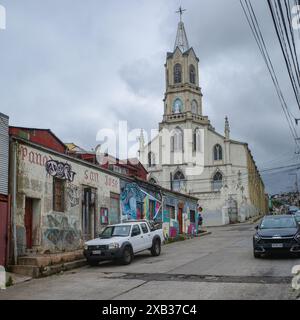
[(44, 260), (43, 271), (30, 271)]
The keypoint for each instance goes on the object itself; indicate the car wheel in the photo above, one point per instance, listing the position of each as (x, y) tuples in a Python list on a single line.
[(156, 248), (93, 263), (256, 255), (127, 256)]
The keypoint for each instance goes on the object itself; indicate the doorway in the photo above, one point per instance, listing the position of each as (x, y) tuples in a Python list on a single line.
[(180, 210), (88, 214), (3, 229), (114, 212), (28, 222)]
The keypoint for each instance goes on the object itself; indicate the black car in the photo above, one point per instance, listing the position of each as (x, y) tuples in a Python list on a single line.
[(277, 234)]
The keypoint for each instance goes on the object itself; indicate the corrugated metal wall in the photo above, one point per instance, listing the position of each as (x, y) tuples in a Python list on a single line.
[(4, 145)]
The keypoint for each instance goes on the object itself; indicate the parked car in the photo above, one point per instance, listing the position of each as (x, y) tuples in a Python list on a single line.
[(122, 241), (292, 209), (277, 234)]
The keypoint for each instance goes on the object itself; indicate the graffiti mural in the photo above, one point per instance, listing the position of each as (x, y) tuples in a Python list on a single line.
[(171, 216), (73, 195), (138, 203), (61, 233), (60, 170)]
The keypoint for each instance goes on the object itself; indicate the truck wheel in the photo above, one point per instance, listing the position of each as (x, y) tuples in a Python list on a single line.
[(127, 256), (93, 263), (256, 255), (156, 248)]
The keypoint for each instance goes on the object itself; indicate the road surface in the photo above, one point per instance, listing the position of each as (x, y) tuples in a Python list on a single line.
[(217, 266)]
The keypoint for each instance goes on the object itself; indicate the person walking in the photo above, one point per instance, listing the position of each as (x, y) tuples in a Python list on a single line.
[(200, 218)]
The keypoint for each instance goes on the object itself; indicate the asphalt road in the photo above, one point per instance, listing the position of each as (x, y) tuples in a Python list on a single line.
[(217, 266)]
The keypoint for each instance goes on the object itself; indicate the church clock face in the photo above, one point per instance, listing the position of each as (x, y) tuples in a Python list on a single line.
[(177, 106)]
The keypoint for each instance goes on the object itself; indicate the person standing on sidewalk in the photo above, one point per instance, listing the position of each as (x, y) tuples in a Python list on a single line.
[(200, 218)]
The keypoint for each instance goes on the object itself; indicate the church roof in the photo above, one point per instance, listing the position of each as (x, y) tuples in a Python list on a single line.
[(181, 39)]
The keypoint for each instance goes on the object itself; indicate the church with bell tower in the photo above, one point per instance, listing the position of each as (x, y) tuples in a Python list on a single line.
[(190, 156)]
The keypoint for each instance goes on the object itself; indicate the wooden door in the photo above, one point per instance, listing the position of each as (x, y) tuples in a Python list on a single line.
[(28, 223), (114, 212), (3, 230), (180, 219)]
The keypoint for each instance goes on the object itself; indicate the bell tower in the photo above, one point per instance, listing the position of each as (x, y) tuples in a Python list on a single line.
[(183, 94)]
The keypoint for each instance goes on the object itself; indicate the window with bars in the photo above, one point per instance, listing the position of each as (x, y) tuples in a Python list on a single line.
[(58, 195)]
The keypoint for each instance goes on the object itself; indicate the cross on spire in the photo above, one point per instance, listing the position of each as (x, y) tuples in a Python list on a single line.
[(180, 11)]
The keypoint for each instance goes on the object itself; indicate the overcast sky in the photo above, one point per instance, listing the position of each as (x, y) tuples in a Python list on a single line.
[(78, 66)]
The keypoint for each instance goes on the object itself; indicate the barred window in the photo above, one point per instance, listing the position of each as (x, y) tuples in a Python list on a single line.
[(58, 195)]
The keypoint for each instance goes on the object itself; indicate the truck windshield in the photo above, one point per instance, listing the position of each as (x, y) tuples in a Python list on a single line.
[(115, 231)]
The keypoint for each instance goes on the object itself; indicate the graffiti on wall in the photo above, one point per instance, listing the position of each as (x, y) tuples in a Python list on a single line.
[(73, 195), (61, 233), (139, 204), (60, 170), (171, 222)]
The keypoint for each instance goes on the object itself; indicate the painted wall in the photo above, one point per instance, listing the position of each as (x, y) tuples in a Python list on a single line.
[(135, 205), (171, 225), (58, 231), (139, 203)]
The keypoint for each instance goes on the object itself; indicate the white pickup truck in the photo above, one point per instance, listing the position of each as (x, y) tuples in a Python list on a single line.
[(122, 241)]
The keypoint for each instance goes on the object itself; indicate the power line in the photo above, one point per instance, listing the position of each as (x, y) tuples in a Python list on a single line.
[(256, 31)]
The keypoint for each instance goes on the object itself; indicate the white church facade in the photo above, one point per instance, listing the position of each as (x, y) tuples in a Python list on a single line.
[(189, 156)]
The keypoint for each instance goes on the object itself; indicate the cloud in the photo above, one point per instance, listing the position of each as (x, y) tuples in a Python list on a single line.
[(77, 67)]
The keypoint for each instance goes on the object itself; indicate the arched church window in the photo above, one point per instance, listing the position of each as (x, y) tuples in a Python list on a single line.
[(177, 140), (192, 74), (217, 181), (197, 140), (177, 73), (177, 106), (194, 107), (151, 159), (178, 181), (218, 153)]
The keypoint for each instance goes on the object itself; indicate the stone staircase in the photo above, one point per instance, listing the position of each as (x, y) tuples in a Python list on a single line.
[(41, 265)]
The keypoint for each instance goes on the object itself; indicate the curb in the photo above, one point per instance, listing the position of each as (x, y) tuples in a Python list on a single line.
[(203, 234), (50, 270)]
